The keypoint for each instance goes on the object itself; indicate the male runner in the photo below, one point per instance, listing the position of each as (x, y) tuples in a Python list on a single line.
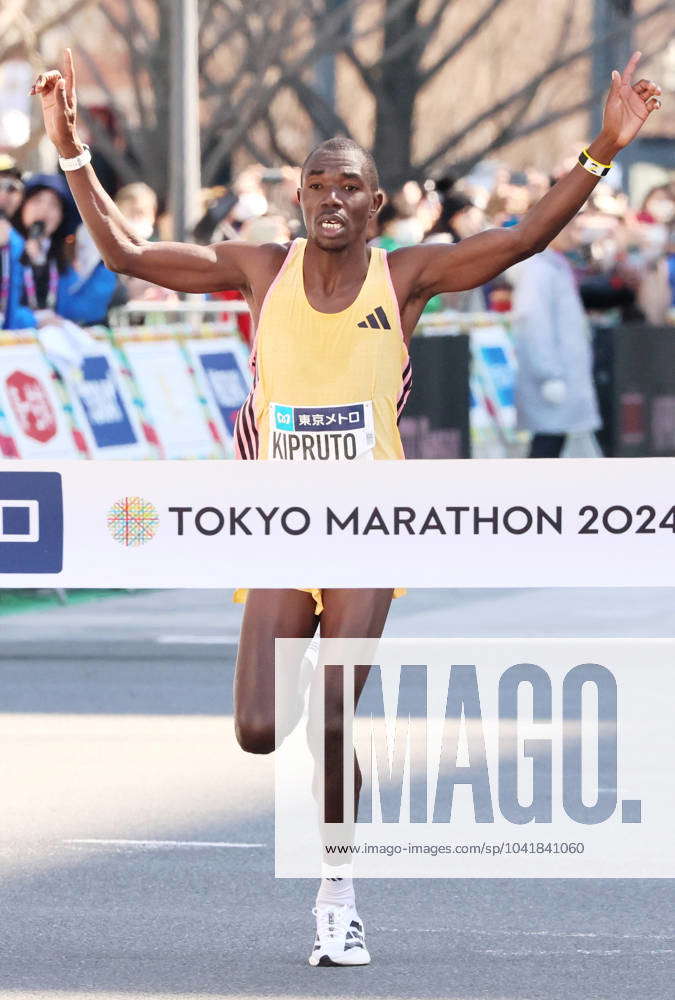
[(340, 309)]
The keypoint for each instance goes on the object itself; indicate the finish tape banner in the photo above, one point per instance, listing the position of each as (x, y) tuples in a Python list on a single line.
[(426, 523)]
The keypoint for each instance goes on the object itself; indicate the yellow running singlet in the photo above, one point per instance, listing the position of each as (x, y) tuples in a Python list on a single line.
[(327, 386)]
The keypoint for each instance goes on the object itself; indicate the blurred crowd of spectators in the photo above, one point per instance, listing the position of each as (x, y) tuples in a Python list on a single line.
[(622, 256)]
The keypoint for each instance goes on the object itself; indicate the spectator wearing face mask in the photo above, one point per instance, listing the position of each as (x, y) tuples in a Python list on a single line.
[(658, 206), (138, 204), (54, 289), (13, 316)]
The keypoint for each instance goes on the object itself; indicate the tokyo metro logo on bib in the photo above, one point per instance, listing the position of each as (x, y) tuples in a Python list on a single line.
[(283, 416)]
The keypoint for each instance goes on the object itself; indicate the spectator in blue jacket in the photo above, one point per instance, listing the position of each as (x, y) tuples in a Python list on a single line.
[(87, 288), (52, 286), (12, 315)]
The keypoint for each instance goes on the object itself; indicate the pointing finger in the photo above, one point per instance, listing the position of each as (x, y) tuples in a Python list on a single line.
[(70, 76), (630, 68)]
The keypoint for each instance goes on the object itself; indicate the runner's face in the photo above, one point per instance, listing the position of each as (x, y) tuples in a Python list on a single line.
[(337, 200)]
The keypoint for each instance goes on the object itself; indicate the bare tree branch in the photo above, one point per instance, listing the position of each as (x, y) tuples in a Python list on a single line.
[(277, 148), (507, 102), (32, 31), (8, 16), (207, 10), (258, 97), (121, 163), (325, 117), (136, 64), (138, 24), (237, 22), (102, 83), (459, 43), (416, 39), (257, 152)]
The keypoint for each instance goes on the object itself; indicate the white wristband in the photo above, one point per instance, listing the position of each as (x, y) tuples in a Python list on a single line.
[(75, 162)]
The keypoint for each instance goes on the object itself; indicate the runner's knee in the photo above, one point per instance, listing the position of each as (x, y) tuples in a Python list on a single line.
[(255, 734)]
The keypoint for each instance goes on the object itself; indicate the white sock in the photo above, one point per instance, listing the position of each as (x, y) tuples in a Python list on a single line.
[(335, 892)]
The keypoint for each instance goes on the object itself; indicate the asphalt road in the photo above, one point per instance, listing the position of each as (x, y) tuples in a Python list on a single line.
[(136, 839)]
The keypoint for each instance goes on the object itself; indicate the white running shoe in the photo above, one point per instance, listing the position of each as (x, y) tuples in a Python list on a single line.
[(340, 939)]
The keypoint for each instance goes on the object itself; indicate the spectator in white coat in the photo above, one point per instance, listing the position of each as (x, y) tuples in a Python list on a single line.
[(555, 395)]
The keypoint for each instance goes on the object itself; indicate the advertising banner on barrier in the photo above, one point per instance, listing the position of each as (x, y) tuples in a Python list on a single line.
[(550, 523), (494, 366), (161, 373), (221, 370), (104, 409), (33, 411)]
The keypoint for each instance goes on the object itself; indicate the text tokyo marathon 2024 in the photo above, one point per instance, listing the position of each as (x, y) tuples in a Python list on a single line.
[(516, 520)]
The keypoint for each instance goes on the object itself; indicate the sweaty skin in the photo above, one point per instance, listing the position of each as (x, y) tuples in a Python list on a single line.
[(335, 189)]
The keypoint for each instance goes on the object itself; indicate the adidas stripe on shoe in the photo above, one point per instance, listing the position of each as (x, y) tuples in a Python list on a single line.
[(340, 937)]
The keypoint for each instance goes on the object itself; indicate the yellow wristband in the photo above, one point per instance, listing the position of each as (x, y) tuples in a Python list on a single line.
[(593, 166)]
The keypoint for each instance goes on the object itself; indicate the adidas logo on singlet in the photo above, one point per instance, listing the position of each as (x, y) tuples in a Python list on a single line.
[(376, 320)]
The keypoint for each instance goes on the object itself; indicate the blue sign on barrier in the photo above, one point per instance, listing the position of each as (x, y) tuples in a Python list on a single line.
[(501, 371), (31, 522), (103, 405), (227, 384)]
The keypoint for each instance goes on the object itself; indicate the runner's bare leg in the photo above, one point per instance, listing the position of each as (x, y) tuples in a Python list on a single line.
[(351, 614), (268, 615)]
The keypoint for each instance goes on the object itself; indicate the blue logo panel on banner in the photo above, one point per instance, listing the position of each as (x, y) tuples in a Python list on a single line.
[(227, 384), (502, 373), (103, 405), (31, 522)]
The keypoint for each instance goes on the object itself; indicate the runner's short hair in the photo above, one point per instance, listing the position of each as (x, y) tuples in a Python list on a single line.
[(341, 144)]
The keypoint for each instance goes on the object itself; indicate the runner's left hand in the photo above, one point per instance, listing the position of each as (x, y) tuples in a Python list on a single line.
[(629, 105)]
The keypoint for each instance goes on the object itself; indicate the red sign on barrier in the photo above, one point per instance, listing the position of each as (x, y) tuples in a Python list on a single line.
[(32, 406)]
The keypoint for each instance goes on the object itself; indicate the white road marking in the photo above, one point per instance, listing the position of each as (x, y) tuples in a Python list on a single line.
[(160, 843), (646, 936), (196, 640)]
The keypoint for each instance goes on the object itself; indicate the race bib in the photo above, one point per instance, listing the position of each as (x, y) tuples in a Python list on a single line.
[(321, 433)]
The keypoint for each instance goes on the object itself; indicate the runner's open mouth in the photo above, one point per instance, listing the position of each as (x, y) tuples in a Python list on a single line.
[(331, 224)]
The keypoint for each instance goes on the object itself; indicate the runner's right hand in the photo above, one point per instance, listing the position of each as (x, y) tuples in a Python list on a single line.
[(59, 107)]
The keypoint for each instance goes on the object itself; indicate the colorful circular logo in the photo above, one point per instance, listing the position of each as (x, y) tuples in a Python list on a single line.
[(132, 521)]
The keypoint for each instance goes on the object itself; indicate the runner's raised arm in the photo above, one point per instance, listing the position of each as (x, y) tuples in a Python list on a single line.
[(181, 266), (479, 258)]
